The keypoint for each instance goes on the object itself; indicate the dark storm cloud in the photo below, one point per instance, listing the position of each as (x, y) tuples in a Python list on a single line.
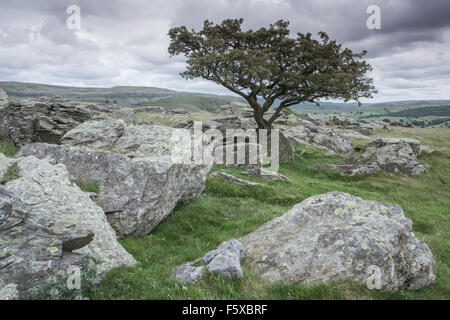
[(125, 42)]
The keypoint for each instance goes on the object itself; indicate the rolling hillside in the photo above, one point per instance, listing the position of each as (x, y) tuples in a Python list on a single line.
[(122, 95)]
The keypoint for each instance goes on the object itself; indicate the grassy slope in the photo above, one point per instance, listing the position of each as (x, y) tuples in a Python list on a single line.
[(151, 96), (226, 211)]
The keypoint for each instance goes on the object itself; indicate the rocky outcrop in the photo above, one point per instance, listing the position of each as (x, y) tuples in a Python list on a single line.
[(8, 292), (382, 142), (139, 183), (397, 155), (189, 273), (309, 134), (392, 155), (351, 124), (48, 224), (241, 110), (337, 236), (235, 122), (22, 123), (225, 261)]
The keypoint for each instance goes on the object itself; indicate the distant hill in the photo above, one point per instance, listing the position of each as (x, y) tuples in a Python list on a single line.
[(122, 95), (191, 101)]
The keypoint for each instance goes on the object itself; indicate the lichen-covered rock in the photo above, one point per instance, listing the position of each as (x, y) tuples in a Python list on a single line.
[(22, 123), (396, 155), (188, 273), (333, 142), (234, 180), (225, 261), (382, 142), (351, 124), (9, 292), (309, 134), (337, 236), (392, 155), (139, 184), (242, 110), (398, 158), (48, 224)]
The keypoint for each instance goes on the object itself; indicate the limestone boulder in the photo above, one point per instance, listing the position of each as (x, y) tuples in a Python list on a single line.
[(337, 236), (139, 180), (47, 224), (225, 261), (22, 122)]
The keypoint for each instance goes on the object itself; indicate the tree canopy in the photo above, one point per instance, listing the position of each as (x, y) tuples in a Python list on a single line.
[(270, 64)]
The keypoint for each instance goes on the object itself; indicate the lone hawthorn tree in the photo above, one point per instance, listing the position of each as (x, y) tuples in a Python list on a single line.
[(267, 63)]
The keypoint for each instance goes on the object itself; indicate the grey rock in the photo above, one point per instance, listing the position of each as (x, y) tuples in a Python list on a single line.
[(350, 134), (188, 273), (9, 292), (337, 236), (392, 155), (47, 224), (235, 180), (351, 124), (235, 122), (139, 184), (225, 261), (308, 133), (396, 155), (241, 110), (315, 121), (226, 264), (333, 142), (22, 123), (234, 246), (381, 142)]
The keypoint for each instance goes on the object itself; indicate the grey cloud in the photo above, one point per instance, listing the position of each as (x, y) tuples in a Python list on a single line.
[(125, 42)]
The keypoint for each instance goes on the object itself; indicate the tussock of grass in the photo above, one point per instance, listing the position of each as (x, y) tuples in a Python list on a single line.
[(11, 173), (7, 149), (87, 186), (226, 211)]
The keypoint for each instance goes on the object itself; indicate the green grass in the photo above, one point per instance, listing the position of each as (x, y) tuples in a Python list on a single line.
[(7, 149), (87, 186), (226, 211), (11, 173)]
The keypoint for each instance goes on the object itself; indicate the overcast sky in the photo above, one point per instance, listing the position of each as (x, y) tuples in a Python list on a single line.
[(124, 42)]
